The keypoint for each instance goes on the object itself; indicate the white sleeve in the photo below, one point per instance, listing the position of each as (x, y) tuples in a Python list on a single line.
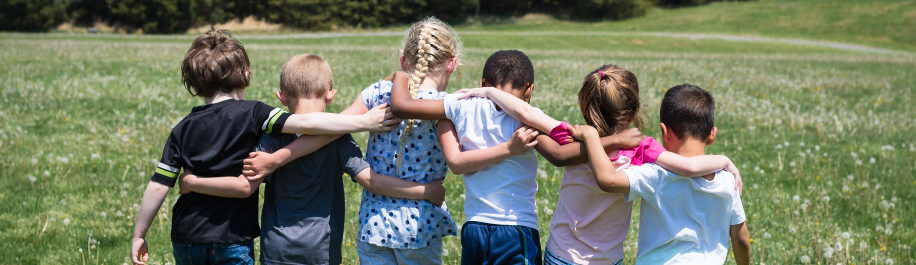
[(452, 106), (643, 181), (738, 216)]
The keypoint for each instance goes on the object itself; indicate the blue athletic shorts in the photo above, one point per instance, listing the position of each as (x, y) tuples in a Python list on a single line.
[(488, 244)]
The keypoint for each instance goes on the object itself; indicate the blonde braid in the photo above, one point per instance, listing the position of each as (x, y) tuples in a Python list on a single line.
[(427, 44)]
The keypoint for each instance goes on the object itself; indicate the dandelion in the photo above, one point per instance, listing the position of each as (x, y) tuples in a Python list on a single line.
[(34, 161), (817, 148), (123, 193), (32, 179), (884, 204), (67, 221), (865, 184), (894, 199), (766, 235), (854, 155), (845, 188), (80, 250), (47, 174), (462, 196), (119, 214), (65, 160), (805, 259), (801, 144), (878, 186), (796, 198), (778, 146), (95, 156), (888, 231), (103, 214), (804, 207), (887, 148), (548, 211), (444, 252), (838, 246), (829, 183), (871, 160), (863, 245), (850, 177), (792, 164), (826, 199), (858, 162), (845, 235), (142, 174), (785, 144), (828, 252), (792, 229), (758, 186), (889, 261)]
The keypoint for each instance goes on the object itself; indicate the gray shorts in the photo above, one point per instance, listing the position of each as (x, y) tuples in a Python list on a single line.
[(370, 254)]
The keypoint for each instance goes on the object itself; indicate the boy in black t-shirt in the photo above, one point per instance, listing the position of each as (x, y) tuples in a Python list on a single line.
[(212, 141)]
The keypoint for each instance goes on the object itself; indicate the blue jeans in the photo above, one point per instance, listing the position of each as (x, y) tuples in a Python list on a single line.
[(214, 254)]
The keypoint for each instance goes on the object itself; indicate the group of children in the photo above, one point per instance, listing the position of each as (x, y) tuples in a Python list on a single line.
[(485, 134)]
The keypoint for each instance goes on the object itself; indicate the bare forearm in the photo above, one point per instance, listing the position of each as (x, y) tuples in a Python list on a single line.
[(227, 187), (692, 166), (390, 186), (474, 160), (302, 146), (522, 111), (152, 200), (406, 107), (573, 153), (741, 244), (318, 123)]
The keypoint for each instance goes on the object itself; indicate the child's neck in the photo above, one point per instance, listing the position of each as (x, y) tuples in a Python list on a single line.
[(435, 81), (690, 147), (306, 105), (237, 94)]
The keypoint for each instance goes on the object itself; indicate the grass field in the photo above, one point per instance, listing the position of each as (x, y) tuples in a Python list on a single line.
[(823, 137)]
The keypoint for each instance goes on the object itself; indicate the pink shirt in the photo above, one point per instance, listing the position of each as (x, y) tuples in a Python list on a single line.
[(590, 225)]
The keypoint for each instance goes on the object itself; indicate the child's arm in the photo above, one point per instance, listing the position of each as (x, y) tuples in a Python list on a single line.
[(698, 166), (226, 186), (406, 107), (741, 243), (515, 107), (390, 186), (469, 161), (575, 153), (152, 199), (377, 119), (607, 178)]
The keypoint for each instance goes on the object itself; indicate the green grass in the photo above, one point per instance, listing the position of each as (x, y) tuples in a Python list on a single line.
[(83, 119)]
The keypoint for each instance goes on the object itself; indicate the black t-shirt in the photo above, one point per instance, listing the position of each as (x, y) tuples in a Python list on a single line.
[(212, 141)]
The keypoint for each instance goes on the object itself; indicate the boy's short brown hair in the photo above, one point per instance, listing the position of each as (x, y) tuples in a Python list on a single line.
[(215, 62), (689, 111), (306, 76)]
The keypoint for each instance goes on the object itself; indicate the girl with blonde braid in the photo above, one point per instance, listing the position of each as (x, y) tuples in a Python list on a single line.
[(403, 231)]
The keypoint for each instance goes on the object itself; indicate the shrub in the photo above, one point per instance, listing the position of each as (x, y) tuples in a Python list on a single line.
[(32, 15)]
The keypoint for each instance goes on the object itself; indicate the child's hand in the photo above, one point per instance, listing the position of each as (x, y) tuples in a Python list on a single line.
[(381, 119), (522, 140), (631, 137), (139, 253), (184, 187), (580, 131), (435, 192), (481, 92), (731, 168), (258, 165)]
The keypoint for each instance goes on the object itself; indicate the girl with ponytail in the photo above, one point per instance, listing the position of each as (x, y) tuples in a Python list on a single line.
[(590, 224)]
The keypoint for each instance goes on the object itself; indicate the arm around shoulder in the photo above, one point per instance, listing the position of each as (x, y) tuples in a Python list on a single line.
[(406, 107)]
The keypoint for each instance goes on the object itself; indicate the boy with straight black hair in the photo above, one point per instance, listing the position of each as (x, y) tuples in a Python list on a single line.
[(682, 220)]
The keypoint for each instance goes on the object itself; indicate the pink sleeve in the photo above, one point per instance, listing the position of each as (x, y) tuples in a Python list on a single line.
[(561, 134), (647, 151)]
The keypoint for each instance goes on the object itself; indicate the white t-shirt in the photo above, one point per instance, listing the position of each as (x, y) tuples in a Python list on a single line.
[(503, 193), (683, 220)]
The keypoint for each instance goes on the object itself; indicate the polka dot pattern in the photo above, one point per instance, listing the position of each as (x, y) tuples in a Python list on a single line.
[(395, 222)]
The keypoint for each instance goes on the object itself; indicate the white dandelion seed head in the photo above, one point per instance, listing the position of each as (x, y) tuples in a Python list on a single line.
[(32, 179), (103, 214), (796, 198), (878, 186), (785, 144), (758, 186), (66, 221), (879, 228), (792, 164), (863, 245), (802, 154), (865, 184), (838, 246), (792, 229), (854, 155), (34, 161), (889, 261), (801, 143), (804, 207), (826, 199), (95, 156), (829, 183), (817, 147), (124, 193), (774, 223), (845, 188), (845, 235), (851, 242), (142, 174), (858, 162), (119, 214), (884, 204), (828, 252), (548, 211), (80, 250), (871, 160), (805, 259), (775, 135), (462, 196), (766, 235), (894, 199), (444, 252), (739, 148), (778, 146), (47, 173), (65, 160)]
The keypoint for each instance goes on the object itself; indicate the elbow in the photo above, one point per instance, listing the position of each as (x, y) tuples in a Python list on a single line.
[(396, 111), (603, 185)]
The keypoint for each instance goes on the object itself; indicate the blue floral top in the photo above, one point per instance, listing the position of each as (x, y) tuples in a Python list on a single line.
[(403, 223)]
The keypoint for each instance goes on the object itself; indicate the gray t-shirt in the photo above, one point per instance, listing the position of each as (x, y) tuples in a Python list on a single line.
[(303, 216)]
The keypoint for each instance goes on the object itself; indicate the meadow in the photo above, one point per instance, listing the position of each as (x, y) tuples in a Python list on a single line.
[(823, 137)]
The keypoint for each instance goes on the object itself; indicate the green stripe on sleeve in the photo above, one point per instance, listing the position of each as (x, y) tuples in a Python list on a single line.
[(270, 124), (166, 173)]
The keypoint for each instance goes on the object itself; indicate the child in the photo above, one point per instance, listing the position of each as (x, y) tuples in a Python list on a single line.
[(682, 220), (500, 204), (303, 213), (590, 225), (212, 141)]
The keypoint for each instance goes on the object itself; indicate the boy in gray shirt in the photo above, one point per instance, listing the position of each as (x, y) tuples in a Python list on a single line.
[(303, 215)]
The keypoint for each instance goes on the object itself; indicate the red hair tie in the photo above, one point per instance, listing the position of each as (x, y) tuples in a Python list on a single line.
[(602, 74)]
